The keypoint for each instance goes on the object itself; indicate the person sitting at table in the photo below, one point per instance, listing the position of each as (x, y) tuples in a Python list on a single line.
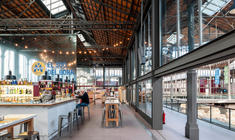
[(85, 100)]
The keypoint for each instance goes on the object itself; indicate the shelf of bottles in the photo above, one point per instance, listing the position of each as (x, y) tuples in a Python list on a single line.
[(18, 92)]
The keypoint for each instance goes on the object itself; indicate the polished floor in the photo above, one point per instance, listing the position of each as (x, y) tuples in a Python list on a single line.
[(132, 128), (174, 129)]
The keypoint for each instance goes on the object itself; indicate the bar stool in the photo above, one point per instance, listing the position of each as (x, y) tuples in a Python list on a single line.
[(76, 117), (60, 123), (30, 135), (83, 108)]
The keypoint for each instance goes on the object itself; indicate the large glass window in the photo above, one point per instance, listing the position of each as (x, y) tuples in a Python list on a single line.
[(32, 77), (145, 45), (212, 18), (9, 62), (145, 97), (23, 71)]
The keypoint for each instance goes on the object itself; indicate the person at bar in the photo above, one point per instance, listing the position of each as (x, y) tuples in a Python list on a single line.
[(85, 100)]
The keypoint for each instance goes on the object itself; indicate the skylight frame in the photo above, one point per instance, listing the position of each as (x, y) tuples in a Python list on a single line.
[(55, 4), (209, 6)]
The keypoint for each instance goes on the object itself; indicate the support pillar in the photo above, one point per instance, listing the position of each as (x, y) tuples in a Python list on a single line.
[(191, 128), (103, 77), (157, 104), (17, 66)]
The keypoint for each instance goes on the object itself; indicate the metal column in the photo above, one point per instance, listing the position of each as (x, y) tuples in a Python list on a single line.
[(104, 77), (137, 70), (17, 65), (157, 104), (200, 22), (157, 108), (191, 128), (178, 28), (190, 8)]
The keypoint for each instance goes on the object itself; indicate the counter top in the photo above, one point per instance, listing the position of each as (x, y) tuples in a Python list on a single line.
[(39, 104)]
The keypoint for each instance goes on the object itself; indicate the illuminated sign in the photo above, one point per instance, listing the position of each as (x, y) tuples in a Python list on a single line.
[(38, 68)]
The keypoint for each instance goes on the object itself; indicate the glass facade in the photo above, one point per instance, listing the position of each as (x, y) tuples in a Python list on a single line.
[(208, 24), (94, 76), (145, 97), (145, 45)]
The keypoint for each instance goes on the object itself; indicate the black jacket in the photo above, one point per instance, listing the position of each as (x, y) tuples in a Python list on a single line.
[(85, 98)]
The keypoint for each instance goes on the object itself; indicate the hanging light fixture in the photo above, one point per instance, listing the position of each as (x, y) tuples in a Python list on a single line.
[(232, 9)]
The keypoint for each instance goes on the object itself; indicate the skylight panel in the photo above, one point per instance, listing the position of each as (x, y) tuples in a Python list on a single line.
[(213, 6), (54, 6)]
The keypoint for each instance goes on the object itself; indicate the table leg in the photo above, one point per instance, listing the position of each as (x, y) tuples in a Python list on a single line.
[(11, 131), (117, 116), (30, 125), (106, 115)]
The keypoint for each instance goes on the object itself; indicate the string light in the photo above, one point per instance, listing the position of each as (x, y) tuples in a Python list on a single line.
[(45, 51)]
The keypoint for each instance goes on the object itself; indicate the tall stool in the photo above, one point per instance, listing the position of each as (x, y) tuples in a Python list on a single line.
[(76, 117), (60, 123), (30, 135), (83, 114)]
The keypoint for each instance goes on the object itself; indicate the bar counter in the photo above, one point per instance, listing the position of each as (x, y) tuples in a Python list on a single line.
[(46, 121)]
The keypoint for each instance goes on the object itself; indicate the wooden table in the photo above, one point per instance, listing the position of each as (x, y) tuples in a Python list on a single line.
[(109, 104), (11, 120)]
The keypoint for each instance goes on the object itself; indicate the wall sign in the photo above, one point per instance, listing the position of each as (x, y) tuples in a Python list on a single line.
[(38, 68), (60, 68)]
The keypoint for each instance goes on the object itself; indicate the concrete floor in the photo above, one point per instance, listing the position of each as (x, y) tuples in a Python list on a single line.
[(132, 128), (135, 128), (174, 129)]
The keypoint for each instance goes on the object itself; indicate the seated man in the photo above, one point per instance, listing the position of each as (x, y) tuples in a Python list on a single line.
[(85, 100)]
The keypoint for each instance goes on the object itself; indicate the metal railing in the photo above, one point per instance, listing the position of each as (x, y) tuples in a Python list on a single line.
[(218, 115)]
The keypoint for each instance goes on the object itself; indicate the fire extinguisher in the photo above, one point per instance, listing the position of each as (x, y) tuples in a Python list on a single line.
[(163, 117)]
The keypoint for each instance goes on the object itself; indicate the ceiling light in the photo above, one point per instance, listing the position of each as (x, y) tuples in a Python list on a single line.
[(45, 51), (85, 52), (60, 52), (102, 49), (81, 37), (16, 45), (90, 52), (94, 51), (73, 52), (53, 51), (128, 38), (22, 38), (80, 52), (25, 46), (67, 53), (120, 42), (107, 48), (35, 38)]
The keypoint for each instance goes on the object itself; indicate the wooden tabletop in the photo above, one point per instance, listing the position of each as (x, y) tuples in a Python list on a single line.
[(13, 119)]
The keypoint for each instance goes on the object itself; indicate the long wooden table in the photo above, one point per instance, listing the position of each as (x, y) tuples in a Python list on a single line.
[(12, 120), (109, 104)]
